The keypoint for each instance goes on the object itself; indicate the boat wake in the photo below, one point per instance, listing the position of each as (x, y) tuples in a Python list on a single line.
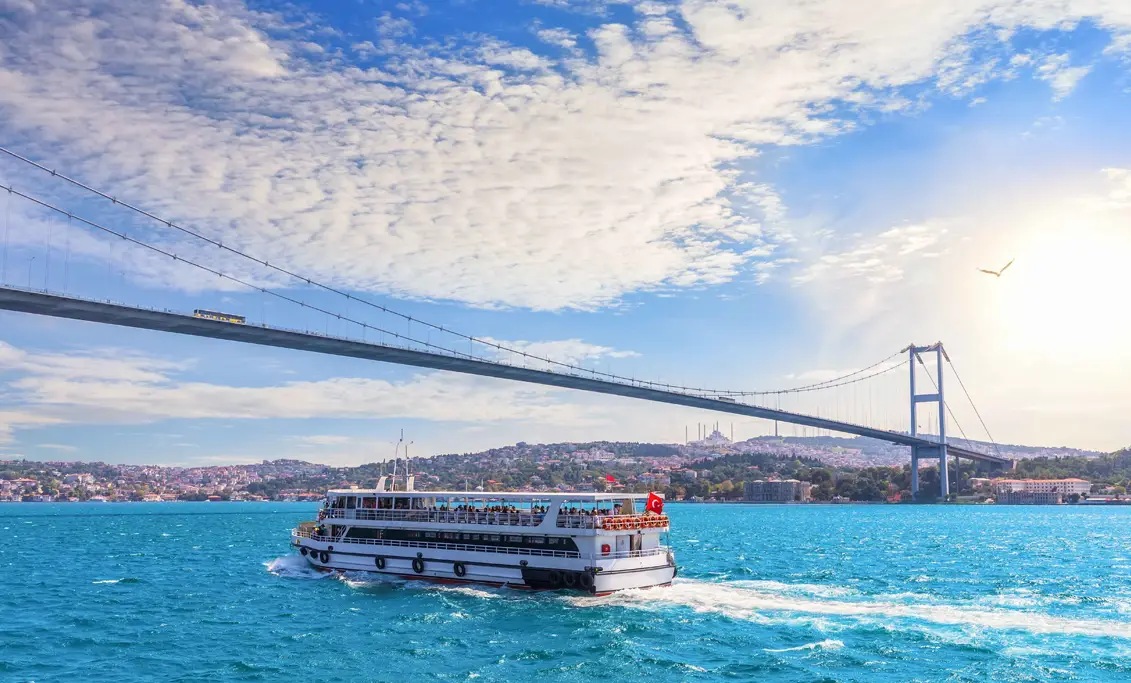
[(293, 567), (756, 603), (772, 602)]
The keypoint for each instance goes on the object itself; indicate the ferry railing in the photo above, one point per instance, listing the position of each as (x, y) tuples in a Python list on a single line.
[(626, 554), (437, 516)]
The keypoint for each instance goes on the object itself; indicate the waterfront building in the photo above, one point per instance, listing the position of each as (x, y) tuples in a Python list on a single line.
[(1038, 491), (776, 491)]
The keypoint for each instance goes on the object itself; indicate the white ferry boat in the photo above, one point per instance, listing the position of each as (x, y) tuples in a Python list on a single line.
[(597, 543)]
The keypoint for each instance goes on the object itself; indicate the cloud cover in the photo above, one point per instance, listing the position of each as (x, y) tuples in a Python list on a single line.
[(616, 162)]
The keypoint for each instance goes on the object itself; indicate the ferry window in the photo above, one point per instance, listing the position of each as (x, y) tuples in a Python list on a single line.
[(401, 504), (474, 537), (552, 541), (417, 503), (514, 539), (351, 502), (635, 542), (430, 534), (493, 537), (385, 503), (368, 503), (537, 540)]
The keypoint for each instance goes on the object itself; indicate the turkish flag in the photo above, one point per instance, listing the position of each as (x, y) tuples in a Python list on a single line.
[(610, 478), (655, 504)]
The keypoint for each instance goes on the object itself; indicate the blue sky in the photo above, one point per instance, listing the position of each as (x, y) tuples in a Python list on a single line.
[(736, 195)]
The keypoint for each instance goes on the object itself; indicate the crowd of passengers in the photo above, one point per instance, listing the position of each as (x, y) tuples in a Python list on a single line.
[(499, 509), (536, 510), (511, 509)]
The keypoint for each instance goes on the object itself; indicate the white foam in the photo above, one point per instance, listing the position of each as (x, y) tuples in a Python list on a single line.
[(823, 645), (367, 580), (821, 590), (293, 567), (107, 581), (469, 591), (742, 602)]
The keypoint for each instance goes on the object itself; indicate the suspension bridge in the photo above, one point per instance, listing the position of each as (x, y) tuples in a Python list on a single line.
[(494, 359)]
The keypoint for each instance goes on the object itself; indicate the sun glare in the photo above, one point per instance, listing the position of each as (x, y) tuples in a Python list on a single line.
[(1067, 290)]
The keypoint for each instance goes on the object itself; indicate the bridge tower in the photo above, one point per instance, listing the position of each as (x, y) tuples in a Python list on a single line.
[(938, 451)]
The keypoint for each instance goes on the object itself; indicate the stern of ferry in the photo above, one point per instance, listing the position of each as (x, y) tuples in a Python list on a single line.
[(629, 554)]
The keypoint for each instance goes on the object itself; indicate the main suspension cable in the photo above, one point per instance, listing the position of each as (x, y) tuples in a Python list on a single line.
[(212, 271), (962, 384), (826, 384)]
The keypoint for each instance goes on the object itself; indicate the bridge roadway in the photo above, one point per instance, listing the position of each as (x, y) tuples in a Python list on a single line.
[(54, 305)]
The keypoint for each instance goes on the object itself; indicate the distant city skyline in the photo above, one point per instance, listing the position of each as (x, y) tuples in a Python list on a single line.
[(679, 191), (527, 466)]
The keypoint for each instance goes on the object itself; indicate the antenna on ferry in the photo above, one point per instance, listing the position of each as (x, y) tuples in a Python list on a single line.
[(396, 454), (408, 476)]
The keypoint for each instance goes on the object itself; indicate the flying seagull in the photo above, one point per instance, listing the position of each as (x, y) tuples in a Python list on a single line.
[(996, 273)]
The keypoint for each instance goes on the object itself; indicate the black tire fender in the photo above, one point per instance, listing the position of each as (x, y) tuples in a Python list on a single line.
[(324, 556), (570, 580), (418, 565), (379, 561), (585, 581), (555, 578), (303, 551), (459, 569)]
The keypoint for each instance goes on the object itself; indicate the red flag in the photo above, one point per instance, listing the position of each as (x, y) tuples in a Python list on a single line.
[(655, 504), (610, 478)]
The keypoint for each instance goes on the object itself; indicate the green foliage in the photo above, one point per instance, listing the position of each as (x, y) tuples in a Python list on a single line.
[(1114, 469)]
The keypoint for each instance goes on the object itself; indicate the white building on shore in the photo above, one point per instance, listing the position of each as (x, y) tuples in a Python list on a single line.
[(776, 491), (1038, 491)]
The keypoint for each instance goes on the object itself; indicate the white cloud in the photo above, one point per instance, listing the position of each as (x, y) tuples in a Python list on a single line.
[(1120, 179), (394, 27), (878, 260), (110, 386), (475, 412), (323, 439), (57, 447), (109, 365), (12, 420), (557, 36), (1058, 74), (1120, 44), (491, 175), (569, 351)]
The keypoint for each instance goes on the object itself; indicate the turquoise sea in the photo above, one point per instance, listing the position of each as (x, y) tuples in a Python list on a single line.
[(211, 591)]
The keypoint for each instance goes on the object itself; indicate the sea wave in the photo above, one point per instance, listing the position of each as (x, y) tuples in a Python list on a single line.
[(822, 645)]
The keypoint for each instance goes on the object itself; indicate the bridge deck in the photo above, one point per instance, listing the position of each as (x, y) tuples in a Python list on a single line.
[(43, 303)]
